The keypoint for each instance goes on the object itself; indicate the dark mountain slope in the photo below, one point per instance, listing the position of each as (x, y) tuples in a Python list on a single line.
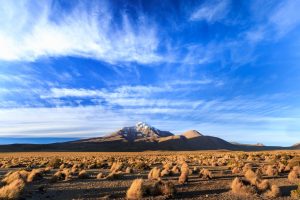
[(141, 137)]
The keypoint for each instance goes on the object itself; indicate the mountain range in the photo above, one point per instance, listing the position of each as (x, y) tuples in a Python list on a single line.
[(143, 137)]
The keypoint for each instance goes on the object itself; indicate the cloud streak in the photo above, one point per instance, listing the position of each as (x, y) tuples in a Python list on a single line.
[(211, 11), (83, 31)]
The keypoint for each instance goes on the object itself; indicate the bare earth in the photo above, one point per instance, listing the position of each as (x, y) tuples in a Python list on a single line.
[(220, 163)]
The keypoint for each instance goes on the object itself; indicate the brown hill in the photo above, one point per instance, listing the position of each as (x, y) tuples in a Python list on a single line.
[(191, 134), (296, 146), (141, 137)]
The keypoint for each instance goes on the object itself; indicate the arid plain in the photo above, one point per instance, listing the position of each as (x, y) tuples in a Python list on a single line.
[(150, 175)]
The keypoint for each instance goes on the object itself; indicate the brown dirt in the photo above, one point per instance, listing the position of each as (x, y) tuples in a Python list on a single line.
[(92, 188)]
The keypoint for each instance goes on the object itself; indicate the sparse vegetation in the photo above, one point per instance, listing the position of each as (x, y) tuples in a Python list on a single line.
[(136, 190), (264, 174)]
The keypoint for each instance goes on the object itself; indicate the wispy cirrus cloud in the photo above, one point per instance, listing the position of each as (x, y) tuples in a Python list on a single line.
[(211, 11), (223, 118), (85, 31), (277, 22), (285, 17)]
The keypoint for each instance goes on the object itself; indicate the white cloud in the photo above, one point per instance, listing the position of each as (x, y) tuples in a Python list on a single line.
[(211, 11), (91, 121), (28, 32), (73, 121), (238, 115), (286, 17), (275, 22)]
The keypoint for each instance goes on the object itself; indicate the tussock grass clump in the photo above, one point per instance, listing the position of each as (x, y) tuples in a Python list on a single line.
[(165, 188), (297, 169), (114, 175), (55, 163), (129, 170), (241, 187), (247, 167), (47, 169), (58, 176), (175, 170), (136, 190), (154, 174), (62, 166), (236, 170), (168, 166), (140, 166), (116, 166), (12, 176), (271, 171), (295, 194), (273, 192), (75, 169), (281, 168), (251, 176), (92, 166), (205, 174), (294, 162), (183, 178), (35, 174), (139, 189), (165, 172), (63, 175), (263, 187), (100, 176), (196, 170), (12, 190), (83, 174), (294, 176)]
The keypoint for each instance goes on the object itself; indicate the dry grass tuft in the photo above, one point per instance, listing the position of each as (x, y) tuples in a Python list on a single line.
[(75, 169), (35, 174), (11, 177), (242, 188), (294, 176), (136, 190), (273, 192), (55, 163), (114, 175), (251, 176), (196, 170), (183, 178), (175, 170), (295, 194), (129, 170), (263, 185), (154, 174), (247, 167), (83, 174), (205, 174), (12, 190), (167, 188), (236, 170), (100, 176), (61, 175), (47, 169), (165, 172), (116, 166), (271, 171)]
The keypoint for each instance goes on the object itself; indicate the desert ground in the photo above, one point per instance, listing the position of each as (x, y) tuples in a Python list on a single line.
[(150, 175)]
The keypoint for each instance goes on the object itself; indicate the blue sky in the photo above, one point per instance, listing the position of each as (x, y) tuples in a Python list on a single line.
[(226, 68)]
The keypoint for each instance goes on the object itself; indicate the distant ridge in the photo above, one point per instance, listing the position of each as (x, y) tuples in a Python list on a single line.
[(257, 144), (191, 134), (296, 146), (141, 137)]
